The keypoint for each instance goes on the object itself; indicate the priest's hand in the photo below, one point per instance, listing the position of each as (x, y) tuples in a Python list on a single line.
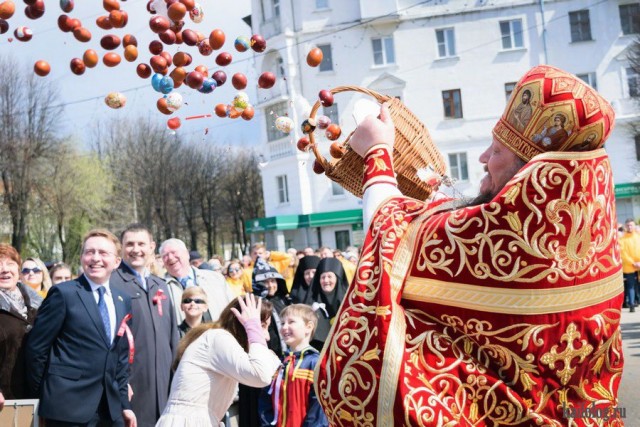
[(373, 131)]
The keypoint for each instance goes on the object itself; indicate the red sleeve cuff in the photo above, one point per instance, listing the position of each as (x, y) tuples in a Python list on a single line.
[(378, 167)]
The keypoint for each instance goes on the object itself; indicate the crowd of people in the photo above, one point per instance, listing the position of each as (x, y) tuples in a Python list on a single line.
[(189, 333)]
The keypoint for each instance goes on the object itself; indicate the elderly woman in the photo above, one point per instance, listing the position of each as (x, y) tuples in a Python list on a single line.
[(35, 274), (18, 306)]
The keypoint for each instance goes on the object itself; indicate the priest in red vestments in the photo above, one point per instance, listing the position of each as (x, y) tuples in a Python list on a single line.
[(505, 312)]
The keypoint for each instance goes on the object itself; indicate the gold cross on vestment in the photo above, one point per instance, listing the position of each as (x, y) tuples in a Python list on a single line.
[(568, 354)]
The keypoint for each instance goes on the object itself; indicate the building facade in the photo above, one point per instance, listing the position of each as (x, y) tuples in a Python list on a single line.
[(453, 63)]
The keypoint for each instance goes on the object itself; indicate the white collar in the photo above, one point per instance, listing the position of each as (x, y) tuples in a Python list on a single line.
[(95, 286)]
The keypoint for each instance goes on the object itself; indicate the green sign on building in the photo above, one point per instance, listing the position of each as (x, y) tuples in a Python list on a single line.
[(624, 191)]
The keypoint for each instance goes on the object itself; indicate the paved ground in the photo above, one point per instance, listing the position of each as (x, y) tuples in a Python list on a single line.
[(629, 393)]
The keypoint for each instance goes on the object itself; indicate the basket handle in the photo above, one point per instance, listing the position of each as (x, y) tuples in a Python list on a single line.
[(339, 89)]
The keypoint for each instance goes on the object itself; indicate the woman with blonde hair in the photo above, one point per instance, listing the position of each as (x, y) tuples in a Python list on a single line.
[(35, 274), (214, 357)]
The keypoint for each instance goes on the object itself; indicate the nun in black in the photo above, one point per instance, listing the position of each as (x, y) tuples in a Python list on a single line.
[(303, 278), (328, 289)]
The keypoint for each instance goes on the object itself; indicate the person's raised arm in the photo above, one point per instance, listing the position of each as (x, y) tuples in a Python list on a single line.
[(373, 140)]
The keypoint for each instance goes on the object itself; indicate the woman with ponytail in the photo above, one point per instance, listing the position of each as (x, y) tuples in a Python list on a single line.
[(214, 357)]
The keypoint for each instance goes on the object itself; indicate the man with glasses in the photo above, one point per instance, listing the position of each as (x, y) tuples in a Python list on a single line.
[(77, 353), (154, 325), (181, 275)]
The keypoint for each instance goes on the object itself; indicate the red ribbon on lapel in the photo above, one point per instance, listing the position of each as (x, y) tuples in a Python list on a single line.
[(157, 300), (124, 328)]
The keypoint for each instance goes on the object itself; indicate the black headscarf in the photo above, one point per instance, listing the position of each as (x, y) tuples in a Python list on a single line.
[(330, 302), (300, 290)]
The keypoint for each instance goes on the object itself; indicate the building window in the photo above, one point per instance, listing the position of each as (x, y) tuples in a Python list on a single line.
[(452, 102), (508, 89), (336, 189), (332, 113), (511, 34), (590, 79), (283, 189), (276, 8), (458, 166), (270, 115), (342, 240), (580, 26), (637, 139), (327, 59), (633, 80), (446, 42), (630, 18), (322, 4), (383, 53)]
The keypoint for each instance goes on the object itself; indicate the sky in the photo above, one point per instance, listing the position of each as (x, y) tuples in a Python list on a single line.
[(83, 96)]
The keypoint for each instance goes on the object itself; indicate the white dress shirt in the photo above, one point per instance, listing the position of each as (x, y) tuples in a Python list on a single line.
[(108, 299)]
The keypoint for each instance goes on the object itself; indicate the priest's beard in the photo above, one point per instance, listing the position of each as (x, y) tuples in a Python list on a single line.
[(488, 196)]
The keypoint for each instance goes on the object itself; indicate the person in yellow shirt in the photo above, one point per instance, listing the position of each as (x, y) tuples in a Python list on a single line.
[(279, 260), (630, 252)]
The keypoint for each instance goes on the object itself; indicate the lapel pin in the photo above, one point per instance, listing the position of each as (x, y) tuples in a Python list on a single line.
[(120, 298)]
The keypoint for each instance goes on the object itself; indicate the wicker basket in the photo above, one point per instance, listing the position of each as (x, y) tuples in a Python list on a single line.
[(413, 150)]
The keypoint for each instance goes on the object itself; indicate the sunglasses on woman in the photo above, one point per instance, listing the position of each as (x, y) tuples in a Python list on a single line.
[(190, 300), (34, 270)]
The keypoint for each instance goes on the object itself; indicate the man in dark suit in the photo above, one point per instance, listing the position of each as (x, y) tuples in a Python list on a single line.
[(78, 352), (155, 328)]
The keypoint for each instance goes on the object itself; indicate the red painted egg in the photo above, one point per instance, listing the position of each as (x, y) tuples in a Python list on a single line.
[(131, 53), (182, 59), (155, 47), (143, 71), (77, 66), (336, 150), (314, 57), (317, 167), (129, 40), (118, 18), (168, 37), (221, 110), (42, 68), (248, 112), (190, 37), (326, 98), (174, 122), (239, 81), (220, 77), (176, 11), (7, 9), (159, 24), (333, 132), (24, 34), (82, 34), (194, 80), (111, 59), (266, 80), (216, 39), (110, 42), (303, 144), (90, 58), (223, 59), (104, 23), (258, 43)]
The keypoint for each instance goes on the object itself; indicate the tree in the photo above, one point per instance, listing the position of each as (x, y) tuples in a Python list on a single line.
[(76, 192), (28, 129)]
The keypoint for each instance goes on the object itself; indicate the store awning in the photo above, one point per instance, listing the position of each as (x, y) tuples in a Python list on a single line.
[(291, 222), (624, 191)]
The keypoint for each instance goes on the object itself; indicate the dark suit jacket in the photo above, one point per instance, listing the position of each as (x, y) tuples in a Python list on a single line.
[(71, 364), (156, 340)]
